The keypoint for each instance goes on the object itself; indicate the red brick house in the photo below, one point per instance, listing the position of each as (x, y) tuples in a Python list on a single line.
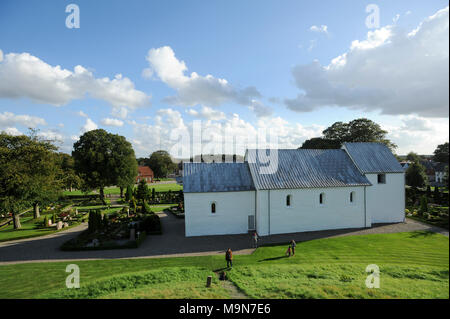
[(145, 173)]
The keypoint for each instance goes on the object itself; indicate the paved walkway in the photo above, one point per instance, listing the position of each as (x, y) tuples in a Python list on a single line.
[(173, 243)]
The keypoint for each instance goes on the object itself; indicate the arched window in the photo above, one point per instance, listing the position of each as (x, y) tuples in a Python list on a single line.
[(288, 200), (352, 197), (213, 208), (322, 198)]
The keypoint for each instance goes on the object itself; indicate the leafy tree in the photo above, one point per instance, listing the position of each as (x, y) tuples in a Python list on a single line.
[(413, 157), (320, 143), (415, 175), (69, 178), (441, 153), (142, 190), (423, 204), (103, 159), (28, 173), (359, 130), (161, 163), (129, 193), (446, 176)]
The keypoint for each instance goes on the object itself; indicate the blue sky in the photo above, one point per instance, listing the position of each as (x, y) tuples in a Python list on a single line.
[(251, 44)]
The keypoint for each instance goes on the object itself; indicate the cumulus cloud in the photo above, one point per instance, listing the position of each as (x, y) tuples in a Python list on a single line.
[(321, 29), (82, 114), (111, 122), (24, 75), (11, 131), (11, 119), (260, 109), (88, 126), (393, 71), (169, 131), (207, 113), (194, 89)]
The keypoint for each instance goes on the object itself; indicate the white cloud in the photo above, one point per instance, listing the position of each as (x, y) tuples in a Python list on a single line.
[(1, 55), (392, 71), (11, 131), (24, 75), (168, 124), (11, 119), (260, 109), (111, 122), (52, 135), (89, 126), (194, 89), (395, 19), (321, 29), (82, 114), (207, 113)]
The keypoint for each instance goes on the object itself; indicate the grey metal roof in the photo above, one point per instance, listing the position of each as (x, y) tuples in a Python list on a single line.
[(216, 177), (307, 168), (373, 158)]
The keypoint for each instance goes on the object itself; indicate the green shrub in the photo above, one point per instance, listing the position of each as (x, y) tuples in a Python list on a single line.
[(150, 224), (423, 204)]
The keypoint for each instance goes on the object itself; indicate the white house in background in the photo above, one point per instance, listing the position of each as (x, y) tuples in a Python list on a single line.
[(353, 187)]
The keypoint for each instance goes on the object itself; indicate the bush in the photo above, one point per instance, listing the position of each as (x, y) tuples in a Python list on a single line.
[(423, 204), (146, 209), (95, 221), (46, 221), (150, 224)]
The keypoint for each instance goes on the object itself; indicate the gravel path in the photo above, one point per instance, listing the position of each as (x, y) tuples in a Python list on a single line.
[(173, 243)]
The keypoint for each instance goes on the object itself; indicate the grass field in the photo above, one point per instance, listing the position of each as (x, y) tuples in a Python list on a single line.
[(412, 265), (116, 190), (30, 228)]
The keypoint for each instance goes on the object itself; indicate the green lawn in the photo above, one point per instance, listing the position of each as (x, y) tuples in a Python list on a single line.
[(412, 265), (116, 190), (30, 228)]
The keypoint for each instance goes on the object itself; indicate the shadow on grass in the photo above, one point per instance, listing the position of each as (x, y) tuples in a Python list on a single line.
[(421, 233), (221, 269), (273, 258)]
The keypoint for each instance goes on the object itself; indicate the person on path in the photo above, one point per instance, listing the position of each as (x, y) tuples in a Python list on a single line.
[(293, 244), (255, 240), (229, 258)]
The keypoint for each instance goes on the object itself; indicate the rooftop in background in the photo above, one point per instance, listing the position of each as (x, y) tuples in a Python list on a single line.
[(373, 158), (145, 171), (216, 177), (307, 168)]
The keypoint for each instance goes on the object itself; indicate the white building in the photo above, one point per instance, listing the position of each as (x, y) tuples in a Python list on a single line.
[(353, 187)]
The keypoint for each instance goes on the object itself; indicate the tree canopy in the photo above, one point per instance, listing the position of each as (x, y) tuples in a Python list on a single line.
[(358, 130), (415, 175), (441, 153), (28, 173), (104, 159), (161, 163)]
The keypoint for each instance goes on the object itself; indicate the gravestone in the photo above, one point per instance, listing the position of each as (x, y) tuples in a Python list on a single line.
[(59, 225), (66, 225), (49, 222), (208, 281)]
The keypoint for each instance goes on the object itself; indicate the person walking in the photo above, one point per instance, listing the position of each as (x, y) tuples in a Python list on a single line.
[(255, 240), (293, 244), (229, 258)]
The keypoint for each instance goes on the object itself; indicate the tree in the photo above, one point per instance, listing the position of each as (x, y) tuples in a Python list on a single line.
[(129, 193), (103, 159), (320, 143), (413, 157), (446, 176), (415, 175), (69, 178), (28, 173), (142, 190), (161, 163), (441, 153), (359, 130)]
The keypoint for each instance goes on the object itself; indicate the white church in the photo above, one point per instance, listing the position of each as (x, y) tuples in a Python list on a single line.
[(353, 187)]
